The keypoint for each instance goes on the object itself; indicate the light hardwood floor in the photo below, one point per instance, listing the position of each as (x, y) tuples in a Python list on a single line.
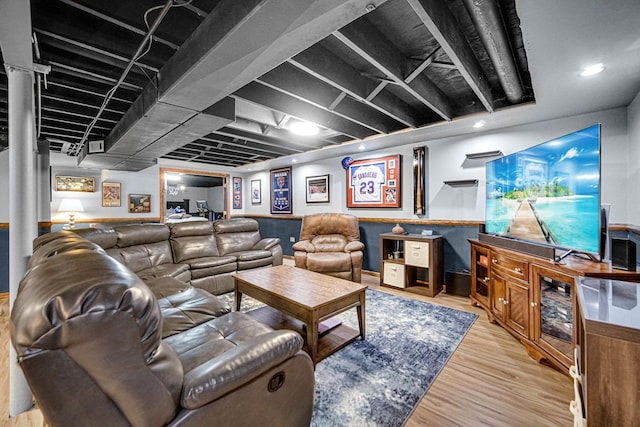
[(489, 381)]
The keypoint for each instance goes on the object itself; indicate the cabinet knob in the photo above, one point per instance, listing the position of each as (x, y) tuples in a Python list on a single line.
[(493, 260), (505, 302), (534, 304), (517, 270), (501, 300), (485, 279)]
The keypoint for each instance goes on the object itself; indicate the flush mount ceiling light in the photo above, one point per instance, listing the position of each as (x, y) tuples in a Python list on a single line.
[(592, 70), (361, 147), (478, 124), (303, 128)]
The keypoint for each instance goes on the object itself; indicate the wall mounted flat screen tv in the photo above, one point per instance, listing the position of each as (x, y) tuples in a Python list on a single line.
[(549, 193)]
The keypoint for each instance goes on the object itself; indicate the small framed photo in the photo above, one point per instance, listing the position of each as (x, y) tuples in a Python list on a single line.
[(317, 189), (110, 194), (256, 192), (237, 192), (281, 191), (139, 203)]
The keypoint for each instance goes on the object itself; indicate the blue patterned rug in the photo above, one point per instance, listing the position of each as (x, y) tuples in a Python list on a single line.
[(378, 382)]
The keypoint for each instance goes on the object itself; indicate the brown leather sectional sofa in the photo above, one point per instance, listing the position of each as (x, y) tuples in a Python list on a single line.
[(200, 253), (113, 334)]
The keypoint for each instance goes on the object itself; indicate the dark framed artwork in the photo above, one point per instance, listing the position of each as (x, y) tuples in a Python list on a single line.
[(281, 191), (374, 183), (110, 194), (237, 192), (317, 189), (419, 180), (139, 203), (76, 183), (256, 192)]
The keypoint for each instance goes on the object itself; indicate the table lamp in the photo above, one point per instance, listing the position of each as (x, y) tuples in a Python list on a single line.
[(71, 206)]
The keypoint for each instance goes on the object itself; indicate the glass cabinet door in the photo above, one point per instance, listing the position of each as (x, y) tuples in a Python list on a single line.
[(553, 313), (480, 275)]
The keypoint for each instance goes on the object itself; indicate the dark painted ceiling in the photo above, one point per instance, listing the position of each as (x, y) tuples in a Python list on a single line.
[(395, 65)]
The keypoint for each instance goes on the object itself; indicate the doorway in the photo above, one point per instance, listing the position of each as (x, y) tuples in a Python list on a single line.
[(194, 193)]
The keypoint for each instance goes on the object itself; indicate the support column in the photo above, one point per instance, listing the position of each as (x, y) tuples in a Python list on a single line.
[(23, 223), (15, 42)]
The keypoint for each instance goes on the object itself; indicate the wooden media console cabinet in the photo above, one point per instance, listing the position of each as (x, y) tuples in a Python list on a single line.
[(533, 298)]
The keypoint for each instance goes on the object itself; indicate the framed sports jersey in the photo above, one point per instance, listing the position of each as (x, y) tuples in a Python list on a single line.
[(374, 183), (237, 192), (281, 191)]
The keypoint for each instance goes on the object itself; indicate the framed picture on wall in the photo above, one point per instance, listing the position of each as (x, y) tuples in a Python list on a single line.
[(76, 183), (317, 189), (139, 203), (374, 183), (110, 194), (256, 192), (237, 192), (281, 191)]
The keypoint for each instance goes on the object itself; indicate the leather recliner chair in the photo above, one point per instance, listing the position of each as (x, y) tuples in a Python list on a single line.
[(330, 244)]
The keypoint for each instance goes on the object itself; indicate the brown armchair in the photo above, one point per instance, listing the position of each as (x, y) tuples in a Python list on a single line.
[(330, 244)]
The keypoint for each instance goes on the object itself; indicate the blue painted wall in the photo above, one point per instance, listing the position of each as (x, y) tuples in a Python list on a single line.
[(456, 247), (4, 260)]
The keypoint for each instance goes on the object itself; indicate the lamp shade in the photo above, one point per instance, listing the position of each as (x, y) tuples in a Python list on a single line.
[(71, 205)]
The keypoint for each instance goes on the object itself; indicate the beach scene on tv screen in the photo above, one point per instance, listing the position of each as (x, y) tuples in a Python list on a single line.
[(548, 193)]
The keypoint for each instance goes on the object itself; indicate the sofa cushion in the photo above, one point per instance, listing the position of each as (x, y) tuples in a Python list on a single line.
[(189, 308), (253, 259), (165, 270), (243, 256), (185, 248), (141, 257), (212, 261), (105, 237), (329, 262), (187, 229), (224, 353), (130, 235), (213, 271), (166, 286), (236, 235), (65, 243), (329, 243)]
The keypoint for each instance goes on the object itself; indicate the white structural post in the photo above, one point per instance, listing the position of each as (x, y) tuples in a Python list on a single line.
[(15, 42), (23, 223)]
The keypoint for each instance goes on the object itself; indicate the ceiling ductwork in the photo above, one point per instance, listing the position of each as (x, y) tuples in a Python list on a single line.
[(222, 55), (487, 18), (221, 82)]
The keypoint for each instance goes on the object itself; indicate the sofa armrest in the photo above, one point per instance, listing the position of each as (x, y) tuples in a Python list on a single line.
[(304, 246), (266, 244), (238, 366), (354, 246)]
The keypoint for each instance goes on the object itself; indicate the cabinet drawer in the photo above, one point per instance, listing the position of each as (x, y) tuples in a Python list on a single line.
[(509, 266), (394, 275), (416, 253)]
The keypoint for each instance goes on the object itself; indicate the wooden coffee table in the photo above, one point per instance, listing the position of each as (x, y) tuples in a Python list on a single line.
[(305, 298)]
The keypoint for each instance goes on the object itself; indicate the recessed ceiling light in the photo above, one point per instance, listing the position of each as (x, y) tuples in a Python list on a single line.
[(304, 128), (294, 161), (478, 124), (592, 70), (361, 147)]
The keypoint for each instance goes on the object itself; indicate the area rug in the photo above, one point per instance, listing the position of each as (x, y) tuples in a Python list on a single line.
[(378, 381)]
